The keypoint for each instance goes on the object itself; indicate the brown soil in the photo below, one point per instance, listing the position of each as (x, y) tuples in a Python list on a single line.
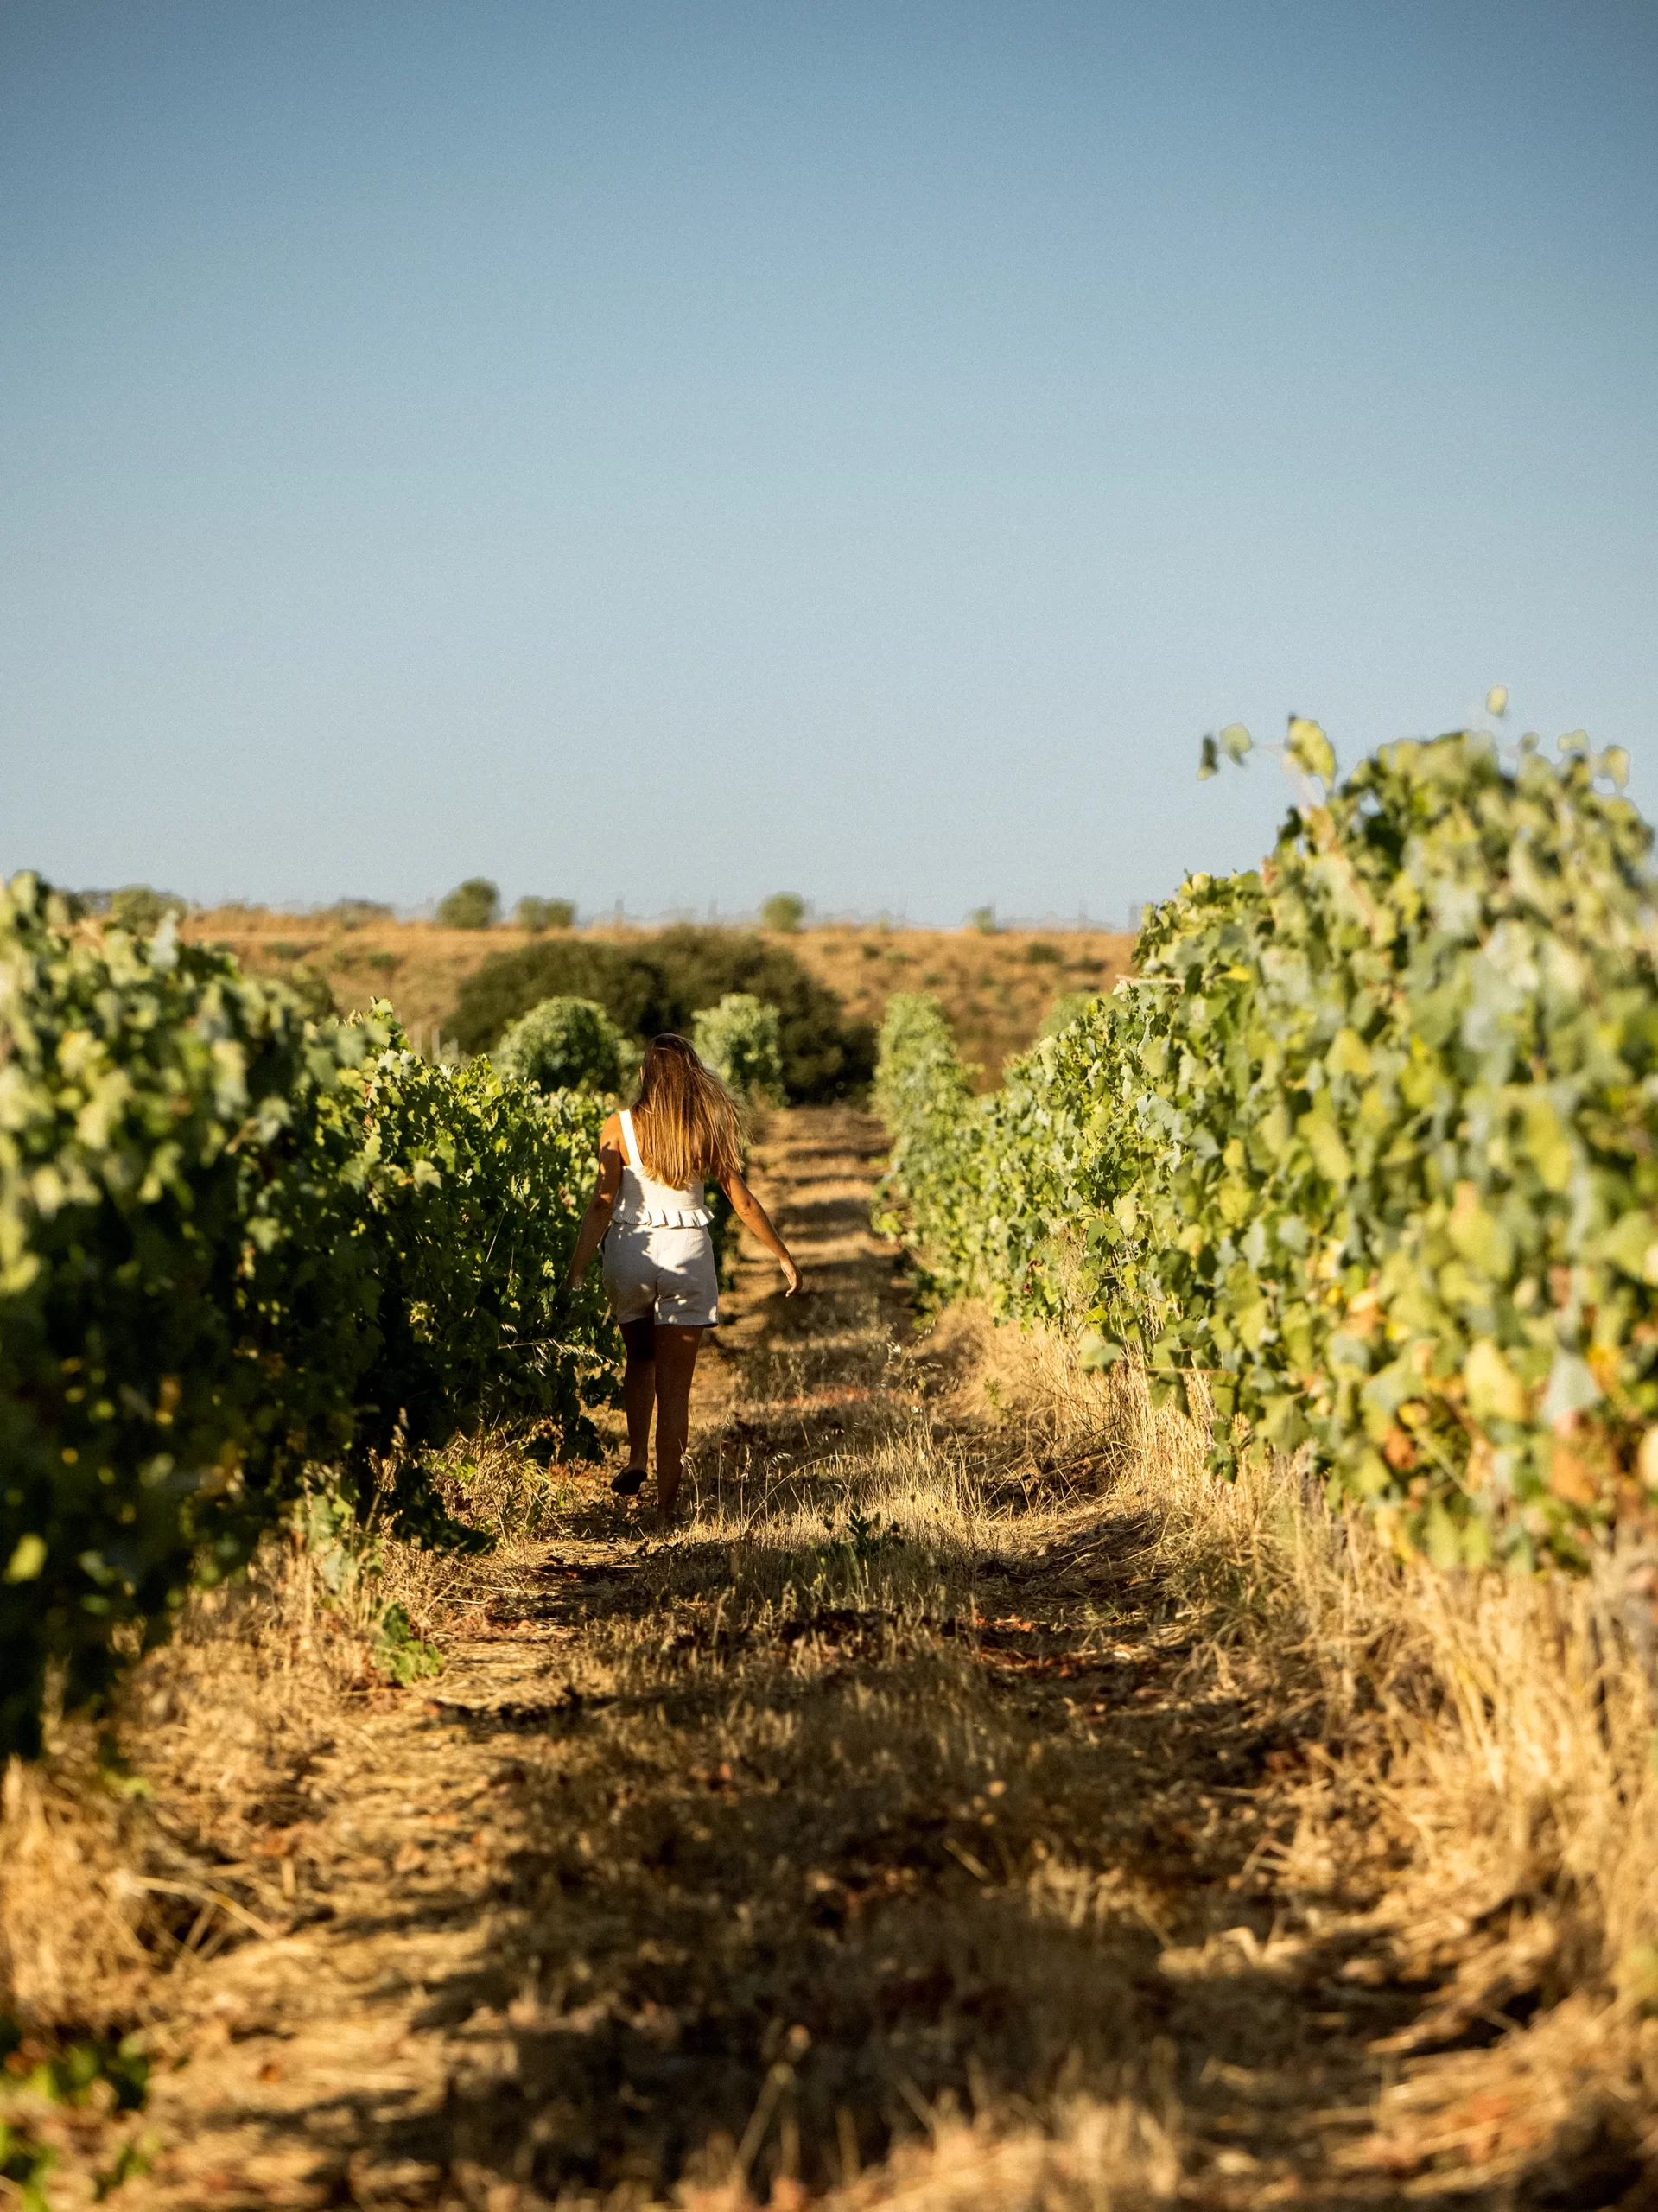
[(793, 1843)]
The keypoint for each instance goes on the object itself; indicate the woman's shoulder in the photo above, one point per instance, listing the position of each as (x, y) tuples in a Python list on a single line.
[(612, 1132)]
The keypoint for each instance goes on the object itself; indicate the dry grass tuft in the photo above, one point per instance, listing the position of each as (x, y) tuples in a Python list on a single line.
[(1479, 1799), (134, 1854), (1094, 2157)]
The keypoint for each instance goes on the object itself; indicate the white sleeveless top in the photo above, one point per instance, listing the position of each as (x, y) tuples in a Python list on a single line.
[(652, 1204)]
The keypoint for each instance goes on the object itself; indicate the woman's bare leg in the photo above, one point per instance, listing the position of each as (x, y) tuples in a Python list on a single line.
[(639, 1390), (676, 1351)]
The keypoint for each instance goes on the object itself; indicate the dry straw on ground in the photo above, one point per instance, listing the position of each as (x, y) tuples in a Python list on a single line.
[(977, 1805)]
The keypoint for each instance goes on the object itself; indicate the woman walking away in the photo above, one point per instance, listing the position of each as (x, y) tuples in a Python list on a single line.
[(648, 1211)]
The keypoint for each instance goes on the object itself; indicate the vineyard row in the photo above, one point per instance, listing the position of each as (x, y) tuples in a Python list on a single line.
[(1364, 1158), (244, 1255)]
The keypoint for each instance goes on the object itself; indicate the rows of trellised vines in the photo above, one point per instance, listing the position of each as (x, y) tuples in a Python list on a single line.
[(1369, 1144), (238, 1247)]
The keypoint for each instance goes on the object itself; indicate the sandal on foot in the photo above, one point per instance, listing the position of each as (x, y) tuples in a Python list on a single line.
[(630, 1482)]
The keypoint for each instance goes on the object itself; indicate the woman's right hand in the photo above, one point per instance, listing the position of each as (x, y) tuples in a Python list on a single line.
[(791, 1276)]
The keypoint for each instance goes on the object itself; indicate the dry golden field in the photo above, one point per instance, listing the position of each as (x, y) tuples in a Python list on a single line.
[(974, 1807), (996, 989)]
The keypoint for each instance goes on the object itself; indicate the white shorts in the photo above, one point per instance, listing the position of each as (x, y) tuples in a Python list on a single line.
[(668, 1273)]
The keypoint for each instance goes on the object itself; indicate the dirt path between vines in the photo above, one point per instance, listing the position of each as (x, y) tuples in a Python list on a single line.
[(751, 1856)]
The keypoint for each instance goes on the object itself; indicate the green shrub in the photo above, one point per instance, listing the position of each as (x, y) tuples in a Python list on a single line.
[(356, 913), (141, 910), (738, 1039), (313, 993), (1369, 1144), (983, 919), (473, 904), (624, 979), (232, 1243), (538, 916), (783, 912), (563, 1044), (662, 983)]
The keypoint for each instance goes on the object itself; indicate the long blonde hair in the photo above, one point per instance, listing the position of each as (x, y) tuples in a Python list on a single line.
[(686, 1120)]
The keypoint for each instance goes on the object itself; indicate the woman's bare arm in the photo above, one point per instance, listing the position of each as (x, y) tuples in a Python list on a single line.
[(596, 1219), (754, 1218)]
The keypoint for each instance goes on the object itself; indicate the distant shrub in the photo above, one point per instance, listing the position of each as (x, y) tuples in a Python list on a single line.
[(738, 1039), (316, 999), (1038, 953), (563, 1044), (356, 913), (783, 911), (624, 979), (473, 904), (142, 910), (983, 919), (78, 903), (654, 983), (540, 915)]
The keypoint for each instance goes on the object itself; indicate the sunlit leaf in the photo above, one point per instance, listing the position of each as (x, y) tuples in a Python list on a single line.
[(1310, 749)]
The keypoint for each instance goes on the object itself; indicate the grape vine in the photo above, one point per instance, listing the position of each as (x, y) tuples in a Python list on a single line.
[(1367, 1149), (238, 1246)]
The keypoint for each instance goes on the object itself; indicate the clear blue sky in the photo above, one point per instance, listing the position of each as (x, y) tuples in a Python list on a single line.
[(676, 452)]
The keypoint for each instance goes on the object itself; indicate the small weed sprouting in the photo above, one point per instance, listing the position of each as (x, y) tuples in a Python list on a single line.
[(25, 2162), (350, 1563), (399, 1653), (342, 1553), (70, 2076), (865, 1543)]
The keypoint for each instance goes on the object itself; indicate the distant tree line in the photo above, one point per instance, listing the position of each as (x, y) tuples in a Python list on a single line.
[(476, 904)]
